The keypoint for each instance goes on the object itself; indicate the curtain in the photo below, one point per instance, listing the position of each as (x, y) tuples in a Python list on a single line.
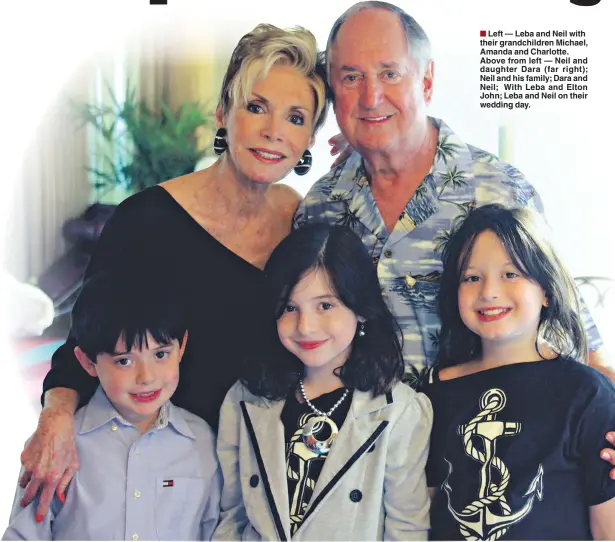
[(52, 187)]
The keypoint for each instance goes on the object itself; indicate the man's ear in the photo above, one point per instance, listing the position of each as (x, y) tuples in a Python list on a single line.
[(428, 77), (182, 346), (85, 361)]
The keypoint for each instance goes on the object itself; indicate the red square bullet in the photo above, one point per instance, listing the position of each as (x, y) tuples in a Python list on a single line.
[(483, 33)]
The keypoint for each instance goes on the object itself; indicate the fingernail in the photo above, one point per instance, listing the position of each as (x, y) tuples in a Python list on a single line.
[(62, 498), (39, 518), (330, 141), (612, 475), (610, 438), (605, 455)]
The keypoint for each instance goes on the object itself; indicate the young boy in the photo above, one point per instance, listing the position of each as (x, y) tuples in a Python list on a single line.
[(149, 470)]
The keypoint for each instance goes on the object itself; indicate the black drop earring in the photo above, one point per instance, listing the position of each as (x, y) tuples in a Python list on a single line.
[(220, 144), (304, 165)]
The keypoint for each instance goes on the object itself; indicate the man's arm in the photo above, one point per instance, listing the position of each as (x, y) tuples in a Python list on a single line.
[(600, 360)]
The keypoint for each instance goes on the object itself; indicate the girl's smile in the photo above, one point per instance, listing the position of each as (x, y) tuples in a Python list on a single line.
[(310, 345), (497, 301), (490, 314), (315, 325)]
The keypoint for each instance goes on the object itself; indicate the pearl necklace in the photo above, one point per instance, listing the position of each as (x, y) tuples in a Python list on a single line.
[(315, 425)]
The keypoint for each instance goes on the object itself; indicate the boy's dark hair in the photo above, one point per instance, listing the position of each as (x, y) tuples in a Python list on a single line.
[(524, 235), (114, 304), (375, 363)]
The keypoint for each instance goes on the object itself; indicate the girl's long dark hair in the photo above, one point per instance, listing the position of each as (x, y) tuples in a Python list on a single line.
[(524, 235), (375, 363)]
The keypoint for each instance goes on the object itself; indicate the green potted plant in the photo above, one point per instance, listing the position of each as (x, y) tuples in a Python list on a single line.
[(143, 147)]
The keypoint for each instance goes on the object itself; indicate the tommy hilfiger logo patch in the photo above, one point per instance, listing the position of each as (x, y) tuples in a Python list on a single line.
[(167, 483)]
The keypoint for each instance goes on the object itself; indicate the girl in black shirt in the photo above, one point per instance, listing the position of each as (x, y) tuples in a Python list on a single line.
[(518, 422)]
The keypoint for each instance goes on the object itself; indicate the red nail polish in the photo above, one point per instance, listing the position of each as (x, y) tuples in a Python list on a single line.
[(62, 498), (39, 518)]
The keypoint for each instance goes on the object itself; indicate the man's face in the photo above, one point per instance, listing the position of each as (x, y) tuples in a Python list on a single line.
[(379, 94)]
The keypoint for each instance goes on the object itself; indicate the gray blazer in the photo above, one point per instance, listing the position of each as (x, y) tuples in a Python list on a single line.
[(372, 485)]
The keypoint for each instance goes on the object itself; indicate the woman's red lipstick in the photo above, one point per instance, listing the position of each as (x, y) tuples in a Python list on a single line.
[(310, 345)]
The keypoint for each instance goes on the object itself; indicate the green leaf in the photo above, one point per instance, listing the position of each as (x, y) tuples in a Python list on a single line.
[(144, 147)]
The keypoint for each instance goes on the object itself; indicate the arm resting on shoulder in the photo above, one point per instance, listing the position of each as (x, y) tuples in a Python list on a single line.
[(50, 456)]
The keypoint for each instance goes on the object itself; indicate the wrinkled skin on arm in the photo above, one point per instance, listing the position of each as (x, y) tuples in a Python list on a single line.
[(50, 457)]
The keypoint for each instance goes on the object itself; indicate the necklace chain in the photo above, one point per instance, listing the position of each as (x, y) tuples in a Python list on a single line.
[(320, 412)]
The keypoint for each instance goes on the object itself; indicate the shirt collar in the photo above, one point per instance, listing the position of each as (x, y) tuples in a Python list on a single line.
[(453, 157), (99, 412)]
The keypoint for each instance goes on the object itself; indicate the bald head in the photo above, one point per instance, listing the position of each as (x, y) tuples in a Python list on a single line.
[(416, 39)]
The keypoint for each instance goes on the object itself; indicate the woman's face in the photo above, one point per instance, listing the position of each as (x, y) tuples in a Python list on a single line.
[(267, 136)]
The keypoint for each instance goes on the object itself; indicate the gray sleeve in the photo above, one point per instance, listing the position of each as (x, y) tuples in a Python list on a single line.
[(406, 499), (234, 522)]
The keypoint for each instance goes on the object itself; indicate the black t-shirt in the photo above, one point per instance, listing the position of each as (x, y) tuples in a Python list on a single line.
[(228, 312), (517, 448), (303, 466)]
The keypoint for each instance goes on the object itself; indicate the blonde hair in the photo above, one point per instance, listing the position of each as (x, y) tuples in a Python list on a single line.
[(266, 46)]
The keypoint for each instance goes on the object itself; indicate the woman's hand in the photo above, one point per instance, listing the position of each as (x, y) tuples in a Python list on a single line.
[(339, 145), (49, 459)]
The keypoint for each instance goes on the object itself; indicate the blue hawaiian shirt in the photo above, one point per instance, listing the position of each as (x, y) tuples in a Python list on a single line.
[(408, 259)]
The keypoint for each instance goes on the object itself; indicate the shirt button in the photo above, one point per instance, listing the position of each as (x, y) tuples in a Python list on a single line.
[(114, 427), (135, 536), (356, 495), (137, 493), (388, 253)]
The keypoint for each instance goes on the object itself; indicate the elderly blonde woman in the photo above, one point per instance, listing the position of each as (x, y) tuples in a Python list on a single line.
[(211, 232)]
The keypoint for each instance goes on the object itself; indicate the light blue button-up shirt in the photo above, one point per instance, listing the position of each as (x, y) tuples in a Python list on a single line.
[(161, 485)]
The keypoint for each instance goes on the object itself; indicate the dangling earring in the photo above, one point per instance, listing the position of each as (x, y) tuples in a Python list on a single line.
[(304, 165), (220, 144), (361, 329)]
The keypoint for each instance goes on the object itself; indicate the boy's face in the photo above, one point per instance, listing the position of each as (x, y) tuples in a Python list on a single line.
[(138, 382)]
